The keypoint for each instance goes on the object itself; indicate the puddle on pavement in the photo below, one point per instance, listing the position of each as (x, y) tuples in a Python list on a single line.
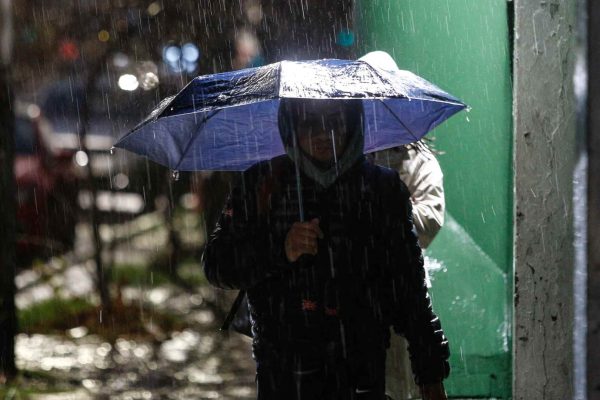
[(190, 364)]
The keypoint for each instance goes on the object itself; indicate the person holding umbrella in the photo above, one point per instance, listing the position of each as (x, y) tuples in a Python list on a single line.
[(323, 242)]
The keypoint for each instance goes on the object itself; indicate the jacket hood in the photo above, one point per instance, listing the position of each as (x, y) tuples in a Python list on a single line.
[(324, 173)]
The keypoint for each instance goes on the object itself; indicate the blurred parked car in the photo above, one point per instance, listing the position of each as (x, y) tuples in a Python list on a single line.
[(126, 184), (47, 183)]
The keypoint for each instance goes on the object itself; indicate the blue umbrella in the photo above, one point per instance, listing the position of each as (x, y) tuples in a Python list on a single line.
[(228, 121)]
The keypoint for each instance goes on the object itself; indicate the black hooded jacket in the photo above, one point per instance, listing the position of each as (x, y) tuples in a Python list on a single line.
[(367, 275)]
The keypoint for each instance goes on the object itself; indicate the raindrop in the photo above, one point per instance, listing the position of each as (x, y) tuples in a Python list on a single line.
[(112, 150)]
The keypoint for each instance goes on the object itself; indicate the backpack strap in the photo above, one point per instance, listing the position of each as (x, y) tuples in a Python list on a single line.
[(233, 310)]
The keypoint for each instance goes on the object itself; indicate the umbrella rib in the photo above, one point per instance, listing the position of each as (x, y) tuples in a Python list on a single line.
[(388, 107), (399, 120), (189, 144), (441, 100), (378, 74)]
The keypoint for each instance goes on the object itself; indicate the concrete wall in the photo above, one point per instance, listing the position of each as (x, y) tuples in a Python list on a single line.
[(593, 138), (544, 116)]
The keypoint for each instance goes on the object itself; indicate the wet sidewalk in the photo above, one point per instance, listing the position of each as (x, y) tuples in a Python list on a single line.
[(186, 359), (191, 364)]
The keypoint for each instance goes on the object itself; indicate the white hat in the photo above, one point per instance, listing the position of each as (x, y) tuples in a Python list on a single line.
[(381, 60)]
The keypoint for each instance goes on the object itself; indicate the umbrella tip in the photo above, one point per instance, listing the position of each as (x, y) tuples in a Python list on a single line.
[(112, 150), (175, 175)]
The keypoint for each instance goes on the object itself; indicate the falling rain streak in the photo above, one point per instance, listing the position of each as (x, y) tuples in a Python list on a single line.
[(111, 295)]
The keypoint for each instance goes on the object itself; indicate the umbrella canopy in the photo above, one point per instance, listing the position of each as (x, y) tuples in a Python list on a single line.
[(229, 121)]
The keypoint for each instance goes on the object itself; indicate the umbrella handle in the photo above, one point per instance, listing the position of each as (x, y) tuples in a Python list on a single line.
[(298, 183), (299, 191)]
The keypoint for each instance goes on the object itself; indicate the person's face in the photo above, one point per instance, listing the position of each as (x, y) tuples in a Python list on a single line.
[(322, 129)]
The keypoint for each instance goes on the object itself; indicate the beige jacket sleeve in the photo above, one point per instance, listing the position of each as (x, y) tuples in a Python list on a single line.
[(421, 172)]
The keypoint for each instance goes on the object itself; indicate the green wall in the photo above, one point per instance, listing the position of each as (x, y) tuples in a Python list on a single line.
[(463, 47)]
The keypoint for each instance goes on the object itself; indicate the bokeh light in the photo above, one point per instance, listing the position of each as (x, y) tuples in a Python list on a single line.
[(172, 54), (120, 60), (68, 50), (103, 35), (154, 8), (184, 58), (81, 158), (345, 38), (128, 82), (190, 52)]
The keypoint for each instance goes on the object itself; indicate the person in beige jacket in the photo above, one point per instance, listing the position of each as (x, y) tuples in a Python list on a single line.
[(421, 172)]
